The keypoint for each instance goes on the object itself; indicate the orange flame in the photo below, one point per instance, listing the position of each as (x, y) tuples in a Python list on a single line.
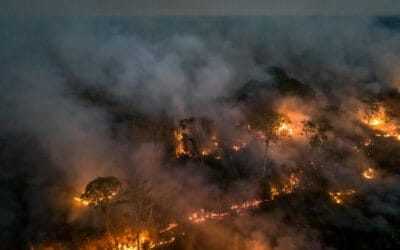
[(285, 130), (339, 197), (369, 173)]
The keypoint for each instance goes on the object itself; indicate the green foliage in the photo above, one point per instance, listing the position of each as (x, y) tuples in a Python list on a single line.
[(316, 132)]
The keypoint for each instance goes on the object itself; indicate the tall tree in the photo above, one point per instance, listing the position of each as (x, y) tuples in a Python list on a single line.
[(316, 132), (100, 194), (137, 196), (268, 123), (372, 107)]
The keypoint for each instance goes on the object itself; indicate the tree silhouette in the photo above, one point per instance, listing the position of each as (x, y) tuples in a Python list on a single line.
[(316, 132), (268, 124), (372, 107), (137, 196), (100, 194)]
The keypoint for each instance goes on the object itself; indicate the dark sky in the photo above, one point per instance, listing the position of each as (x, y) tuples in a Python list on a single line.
[(197, 7)]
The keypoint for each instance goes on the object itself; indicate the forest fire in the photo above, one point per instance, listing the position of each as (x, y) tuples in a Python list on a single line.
[(367, 142), (239, 145), (162, 243), (376, 122), (241, 207), (81, 201), (274, 192), (385, 126), (100, 191), (236, 208), (169, 227), (340, 197), (186, 145), (289, 186), (200, 133), (385, 129), (369, 173), (180, 149), (128, 241), (236, 147), (194, 139), (293, 118), (285, 130), (94, 201), (202, 216)]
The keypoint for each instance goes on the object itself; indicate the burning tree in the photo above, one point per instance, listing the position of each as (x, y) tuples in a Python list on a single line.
[(272, 125), (99, 193), (196, 138), (186, 144), (316, 132), (382, 120), (137, 196), (373, 106)]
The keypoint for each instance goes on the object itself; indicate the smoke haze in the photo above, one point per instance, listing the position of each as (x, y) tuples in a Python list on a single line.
[(76, 93)]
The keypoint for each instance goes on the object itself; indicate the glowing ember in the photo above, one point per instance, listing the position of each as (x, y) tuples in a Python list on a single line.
[(239, 145), (205, 152), (274, 191), (128, 241), (180, 149), (339, 197), (367, 142), (96, 201), (187, 145), (202, 215), (81, 201), (214, 139), (239, 208), (383, 126), (376, 122), (285, 130), (211, 147), (236, 147), (169, 227), (293, 183), (369, 173), (288, 187), (161, 243)]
